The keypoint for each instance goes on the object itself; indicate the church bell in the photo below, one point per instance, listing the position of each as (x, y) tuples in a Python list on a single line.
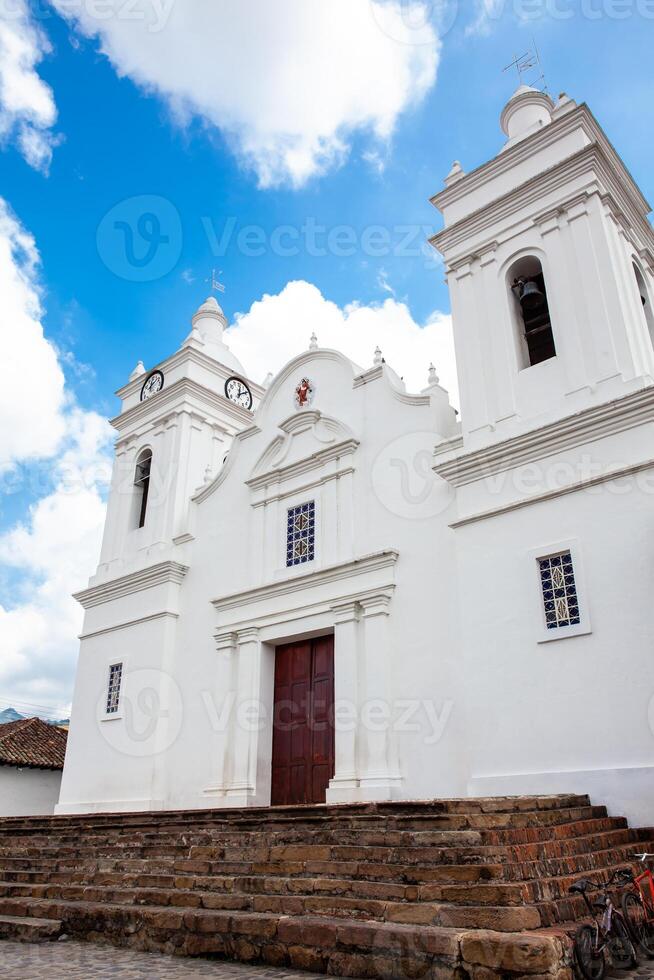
[(530, 296)]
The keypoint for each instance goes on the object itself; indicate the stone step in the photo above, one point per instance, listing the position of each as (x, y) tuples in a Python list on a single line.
[(498, 918), (415, 822), (29, 929), (448, 888), (287, 877), (304, 815), (323, 944), (415, 852)]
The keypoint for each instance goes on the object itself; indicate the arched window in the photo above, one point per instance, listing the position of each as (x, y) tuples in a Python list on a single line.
[(532, 310), (645, 300), (142, 484)]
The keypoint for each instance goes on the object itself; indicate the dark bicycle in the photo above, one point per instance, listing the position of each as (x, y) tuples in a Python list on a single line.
[(608, 931)]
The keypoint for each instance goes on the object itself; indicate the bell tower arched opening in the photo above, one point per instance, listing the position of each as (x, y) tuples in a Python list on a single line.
[(531, 313)]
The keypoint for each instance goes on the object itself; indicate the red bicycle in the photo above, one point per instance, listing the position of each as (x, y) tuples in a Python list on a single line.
[(638, 907), (607, 932)]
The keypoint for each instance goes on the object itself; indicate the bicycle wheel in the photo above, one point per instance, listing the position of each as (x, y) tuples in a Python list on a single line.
[(621, 948), (642, 931), (590, 960)]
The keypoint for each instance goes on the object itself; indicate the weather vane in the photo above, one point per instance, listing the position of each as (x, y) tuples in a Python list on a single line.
[(216, 285), (526, 63)]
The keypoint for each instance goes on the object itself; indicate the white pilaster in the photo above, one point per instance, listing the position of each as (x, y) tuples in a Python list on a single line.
[(248, 708), (380, 778), (344, 786)]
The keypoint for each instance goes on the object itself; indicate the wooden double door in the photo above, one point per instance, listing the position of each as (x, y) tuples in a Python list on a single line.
[(303, 721)]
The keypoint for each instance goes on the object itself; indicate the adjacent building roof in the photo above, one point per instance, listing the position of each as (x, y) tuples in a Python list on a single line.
[(31, 742)]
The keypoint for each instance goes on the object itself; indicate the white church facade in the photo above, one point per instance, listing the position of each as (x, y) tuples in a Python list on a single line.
[(330, 589)]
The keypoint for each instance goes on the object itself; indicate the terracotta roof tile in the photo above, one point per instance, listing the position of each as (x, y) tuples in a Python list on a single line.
[(30, 742)]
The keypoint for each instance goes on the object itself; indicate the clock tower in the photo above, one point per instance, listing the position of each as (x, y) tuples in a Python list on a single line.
[(174, 432)]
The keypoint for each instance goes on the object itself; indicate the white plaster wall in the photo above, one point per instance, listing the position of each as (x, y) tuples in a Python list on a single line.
[(545, 715), (27, 792)]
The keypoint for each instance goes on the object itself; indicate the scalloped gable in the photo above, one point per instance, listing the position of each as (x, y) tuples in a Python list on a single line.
[(309, 438), (295, 366)]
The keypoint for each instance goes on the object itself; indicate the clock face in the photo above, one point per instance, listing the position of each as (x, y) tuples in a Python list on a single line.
[(238, 392), (152, 385)]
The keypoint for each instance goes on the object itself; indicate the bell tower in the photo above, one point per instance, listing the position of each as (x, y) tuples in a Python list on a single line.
[(550, 263), (175, 429)]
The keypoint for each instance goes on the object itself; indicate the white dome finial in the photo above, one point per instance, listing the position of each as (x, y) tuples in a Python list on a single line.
[(313, 343), (432, 377), (527, 111), (378, 359), (210, 310)]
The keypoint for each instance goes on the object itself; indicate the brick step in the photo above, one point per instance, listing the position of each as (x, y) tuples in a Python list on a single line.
[(29, 930), (323, 944), (299, 815), (349, 897), (288, 877), (416, 822), (415, 852), (620, 846), (498, 918)]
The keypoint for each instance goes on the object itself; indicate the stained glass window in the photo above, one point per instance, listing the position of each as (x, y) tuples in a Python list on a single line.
[(301, 534), (557, 579), (113, 691)]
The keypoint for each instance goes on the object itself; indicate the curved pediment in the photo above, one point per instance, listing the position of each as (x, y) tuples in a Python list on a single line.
[(306, 441)]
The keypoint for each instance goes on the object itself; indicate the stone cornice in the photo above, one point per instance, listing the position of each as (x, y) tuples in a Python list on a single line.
[(298, 583), (145, 578), (170, 401), (515, 155), (129, 623), (616, 473), (301, 467), (535, 189), (588, 425), (180, 357)]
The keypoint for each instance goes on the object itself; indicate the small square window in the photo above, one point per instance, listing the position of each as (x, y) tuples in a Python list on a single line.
[(113, 690), (300, 534), (560, 600)]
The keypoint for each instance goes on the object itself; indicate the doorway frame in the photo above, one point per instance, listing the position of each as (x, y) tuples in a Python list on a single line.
[(352, 600)]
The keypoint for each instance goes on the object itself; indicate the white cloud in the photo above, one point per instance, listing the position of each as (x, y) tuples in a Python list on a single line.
[(288, 83), (32, 396), (278, 327), (55, 548), (27, 107)]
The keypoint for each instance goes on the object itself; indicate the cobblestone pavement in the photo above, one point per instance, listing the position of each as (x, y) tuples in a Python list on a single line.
[(84, 961)]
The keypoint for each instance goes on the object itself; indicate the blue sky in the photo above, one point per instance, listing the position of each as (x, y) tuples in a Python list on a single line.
[(127, 128)]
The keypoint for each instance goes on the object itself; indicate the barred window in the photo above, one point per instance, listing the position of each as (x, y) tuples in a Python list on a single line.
[(113, 690), (301, 534), (557, 579)]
